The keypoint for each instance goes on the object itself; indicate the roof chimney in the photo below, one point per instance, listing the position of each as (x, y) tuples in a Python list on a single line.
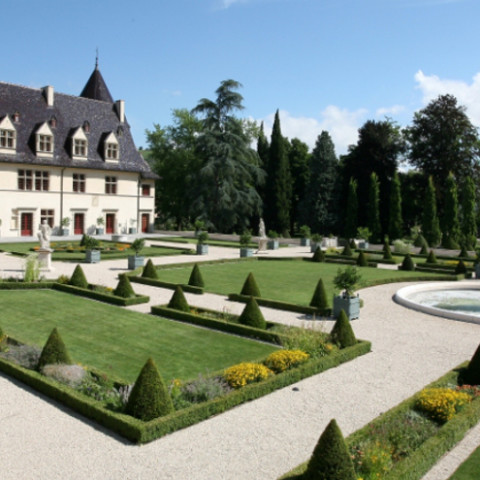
[(48, 93), (120, 106)]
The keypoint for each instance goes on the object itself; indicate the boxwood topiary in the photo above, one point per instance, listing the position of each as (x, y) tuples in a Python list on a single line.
[(471, 375), (347, 251), (424, 248), (460, 268), (178, 300), (463, 252), (149, 270), (362, 259), (342, 332), (330, 459), (196, 278), (252, 316), (54, 351), (78, 278), (431, 257), (407, 263), (250, 287), (387, 253), (149, 398), (124, 288), (319, 299), (319, 255)]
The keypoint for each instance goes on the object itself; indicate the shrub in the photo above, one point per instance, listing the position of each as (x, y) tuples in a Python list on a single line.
[(24, 355), (471, 375), (449, 243), (203, 389), (400, 246), (319, 255), (124, 288), (424, 248), (407, 263), (178, 300), (196, 278), (32, 269), (54, 351), (431, 257), (463, 252), (420, 241), (149, 398), (305, 231), (330, 459), (71, 375), (285, 359), (252, 315), (63, 279), (319, 299), (149, 270), (137, 246), (460, 268), (347, 279), (441, 404), (250, 287), (387, 253), (245, 373), (245, 238), (314, 342), (342, 332), (347, 251), (362, 259), (78, 278)]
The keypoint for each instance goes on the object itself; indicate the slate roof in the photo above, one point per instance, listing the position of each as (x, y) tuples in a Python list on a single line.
[(70, 113)]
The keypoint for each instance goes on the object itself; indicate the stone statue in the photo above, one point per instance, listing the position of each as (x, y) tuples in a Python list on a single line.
[(261, 229), (44, 235)]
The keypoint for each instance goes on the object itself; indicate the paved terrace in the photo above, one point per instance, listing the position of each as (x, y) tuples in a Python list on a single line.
[(260, 440)]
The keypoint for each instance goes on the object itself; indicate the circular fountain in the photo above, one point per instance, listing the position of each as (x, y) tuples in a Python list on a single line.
[(454, 300)]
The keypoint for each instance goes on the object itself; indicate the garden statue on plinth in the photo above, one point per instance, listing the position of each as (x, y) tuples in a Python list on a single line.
[(262, 240), (45, 252)]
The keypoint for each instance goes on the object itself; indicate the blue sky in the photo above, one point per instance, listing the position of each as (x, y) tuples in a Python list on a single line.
[(325, 64)]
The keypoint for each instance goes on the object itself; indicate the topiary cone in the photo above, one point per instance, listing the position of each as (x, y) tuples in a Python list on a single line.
[(362, 259), (178, 300), (149, 398), (196, 278), (407, 263), (387, 253), (431, 257), (149, 270), (54, 351), (460, 268), (347, 251), (78, 278), (250, 287), (342, 332), (319, 299), (463, 252), (252, 315), (330, 459), (319, 255), (472, 373), (124, 288)]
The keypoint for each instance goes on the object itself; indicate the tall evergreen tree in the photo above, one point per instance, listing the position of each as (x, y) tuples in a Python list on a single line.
[(373, 214), (298, 159), (430, 224), (469, 224), (351, 217), (395, 221), (450, 224)]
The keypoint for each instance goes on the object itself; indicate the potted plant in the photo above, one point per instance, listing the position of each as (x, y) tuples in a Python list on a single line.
[(202, 247), (136, 261), (245, 239), (100, 224), (272, 243), (316, 242), (65, 223), (363, 234), (345, 281), (199, 226), (305, 233), (92, 254), (132, 229)]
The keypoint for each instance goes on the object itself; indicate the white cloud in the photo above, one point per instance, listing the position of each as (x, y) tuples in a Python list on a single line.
[(387, 111), (468, 95), (341, 124)]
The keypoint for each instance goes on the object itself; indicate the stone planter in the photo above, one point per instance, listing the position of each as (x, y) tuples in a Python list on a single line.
[(65, 232), (363, 244), (272, 244), (246, 252), (304, 242), (314, 246), (132, 230), (92, 256), (330, 242), (351, 306), (202, 249), (100, 231), (135, 262)]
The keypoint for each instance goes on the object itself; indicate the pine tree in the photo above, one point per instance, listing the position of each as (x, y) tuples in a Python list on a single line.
[(450, 223), (395, 221), (330, 459), (54, 351), (149, 270), (469, 225), (342, 332), (430, 224), (124, 288), (252, 315), (351, 216), (178, 300), (250, 287), (373, 214), (319, 299), (78, 278), (149, 398), (196, 278)]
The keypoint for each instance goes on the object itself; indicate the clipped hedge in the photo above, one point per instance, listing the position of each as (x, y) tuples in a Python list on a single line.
[(162, 284), (25, 285)]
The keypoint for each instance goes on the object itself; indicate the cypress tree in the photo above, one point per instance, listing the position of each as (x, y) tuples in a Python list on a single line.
[(196, 278), (178, 300), (78, 278), (149, 270), (252, 315), (373, 214), (250, 287), (319, 299), (351, 215), (319, 255), (450, 223), (430, 224), (469, 224), (124, 288), (54, 351), (342, 332), (149, 398), (330, 459), (395, 220)]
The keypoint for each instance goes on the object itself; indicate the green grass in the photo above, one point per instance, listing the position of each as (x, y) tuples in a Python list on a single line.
[(119, 341), (289, 281), (470, 469)]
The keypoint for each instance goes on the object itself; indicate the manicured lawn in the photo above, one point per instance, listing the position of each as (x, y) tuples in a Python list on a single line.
[(470, 469), (119, 341), (289, 281)]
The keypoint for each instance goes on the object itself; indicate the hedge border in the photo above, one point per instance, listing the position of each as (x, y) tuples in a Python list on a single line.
[(154, 282)]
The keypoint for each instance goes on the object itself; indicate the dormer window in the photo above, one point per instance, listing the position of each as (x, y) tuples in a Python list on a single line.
[(79, 145), (44, 141), (53, 122), (86, 127), (8, 136), (111, 148), (16, 117)]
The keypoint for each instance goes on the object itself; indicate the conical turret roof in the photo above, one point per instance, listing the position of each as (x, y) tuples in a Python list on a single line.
[(96, 88)]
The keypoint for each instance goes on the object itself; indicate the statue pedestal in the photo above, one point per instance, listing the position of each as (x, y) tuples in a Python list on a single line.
[(45, 258), (262, 244)]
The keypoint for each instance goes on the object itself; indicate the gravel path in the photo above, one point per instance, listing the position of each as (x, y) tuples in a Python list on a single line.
[(258, 440)]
